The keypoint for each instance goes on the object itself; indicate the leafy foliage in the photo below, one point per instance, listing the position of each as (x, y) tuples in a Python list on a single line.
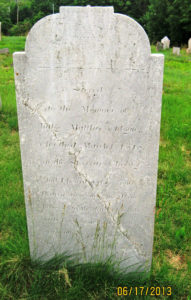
[(169, 17), (5, 17), (159, 18)]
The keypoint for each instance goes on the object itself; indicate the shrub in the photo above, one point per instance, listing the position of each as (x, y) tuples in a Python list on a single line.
[(21, 29)]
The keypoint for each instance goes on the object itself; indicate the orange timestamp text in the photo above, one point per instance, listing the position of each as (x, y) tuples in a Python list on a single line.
[(144, 291)]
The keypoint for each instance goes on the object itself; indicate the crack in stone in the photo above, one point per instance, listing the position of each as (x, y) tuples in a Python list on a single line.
[(107, 207), (25, 103), (112, 218), (122, 230), (77, 169)]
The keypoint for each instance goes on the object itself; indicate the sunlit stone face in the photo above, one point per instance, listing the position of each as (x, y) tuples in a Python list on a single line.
[(89, 105)]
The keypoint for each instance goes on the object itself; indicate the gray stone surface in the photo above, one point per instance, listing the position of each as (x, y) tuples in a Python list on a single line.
[(176, 50), (166, 42), (188, 50), (4, 51), (89, 105), (159, 46)]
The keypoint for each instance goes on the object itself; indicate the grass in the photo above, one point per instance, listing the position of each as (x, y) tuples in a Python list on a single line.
[(59, 279)]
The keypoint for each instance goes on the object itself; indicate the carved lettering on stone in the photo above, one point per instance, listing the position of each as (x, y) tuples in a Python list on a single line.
[(89, 105)]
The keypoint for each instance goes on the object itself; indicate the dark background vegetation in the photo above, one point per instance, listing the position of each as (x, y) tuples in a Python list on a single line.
[(158, 17)]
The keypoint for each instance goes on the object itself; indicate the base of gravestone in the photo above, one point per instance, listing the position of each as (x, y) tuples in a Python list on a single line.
[(4, 51), (108, 265)]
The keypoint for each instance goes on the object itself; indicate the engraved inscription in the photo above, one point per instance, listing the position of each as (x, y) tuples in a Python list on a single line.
[(89, 100)]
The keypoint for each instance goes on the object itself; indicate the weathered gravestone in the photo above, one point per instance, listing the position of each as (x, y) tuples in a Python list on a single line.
[(159, 46), (188, 50), (189, 43), (176, 50), (166, 42), (4, 51), (89, 105)]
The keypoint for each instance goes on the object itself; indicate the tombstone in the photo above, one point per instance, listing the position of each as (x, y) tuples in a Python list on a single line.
[(89, 104), (189, 43), (4, 51), (176, 50), (188, 50), (159, 46), (0, 31), (166, 42)]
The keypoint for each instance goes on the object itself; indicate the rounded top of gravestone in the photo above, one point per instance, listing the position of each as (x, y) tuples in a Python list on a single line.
[(95, 36), (165, 39)]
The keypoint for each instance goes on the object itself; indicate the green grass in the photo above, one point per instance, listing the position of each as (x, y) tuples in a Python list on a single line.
[(22, 279)]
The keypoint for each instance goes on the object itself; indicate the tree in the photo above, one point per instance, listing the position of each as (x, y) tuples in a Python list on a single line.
[(156, 20), (5, 17), (179, 21), (25, 12), (159, 18), (133, 8)]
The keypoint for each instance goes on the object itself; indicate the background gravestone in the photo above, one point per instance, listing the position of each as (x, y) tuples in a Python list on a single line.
[(89, 105), (176, 50), (166, 42), (4, 51), (188, 50), (159, 46), (189, 43)]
